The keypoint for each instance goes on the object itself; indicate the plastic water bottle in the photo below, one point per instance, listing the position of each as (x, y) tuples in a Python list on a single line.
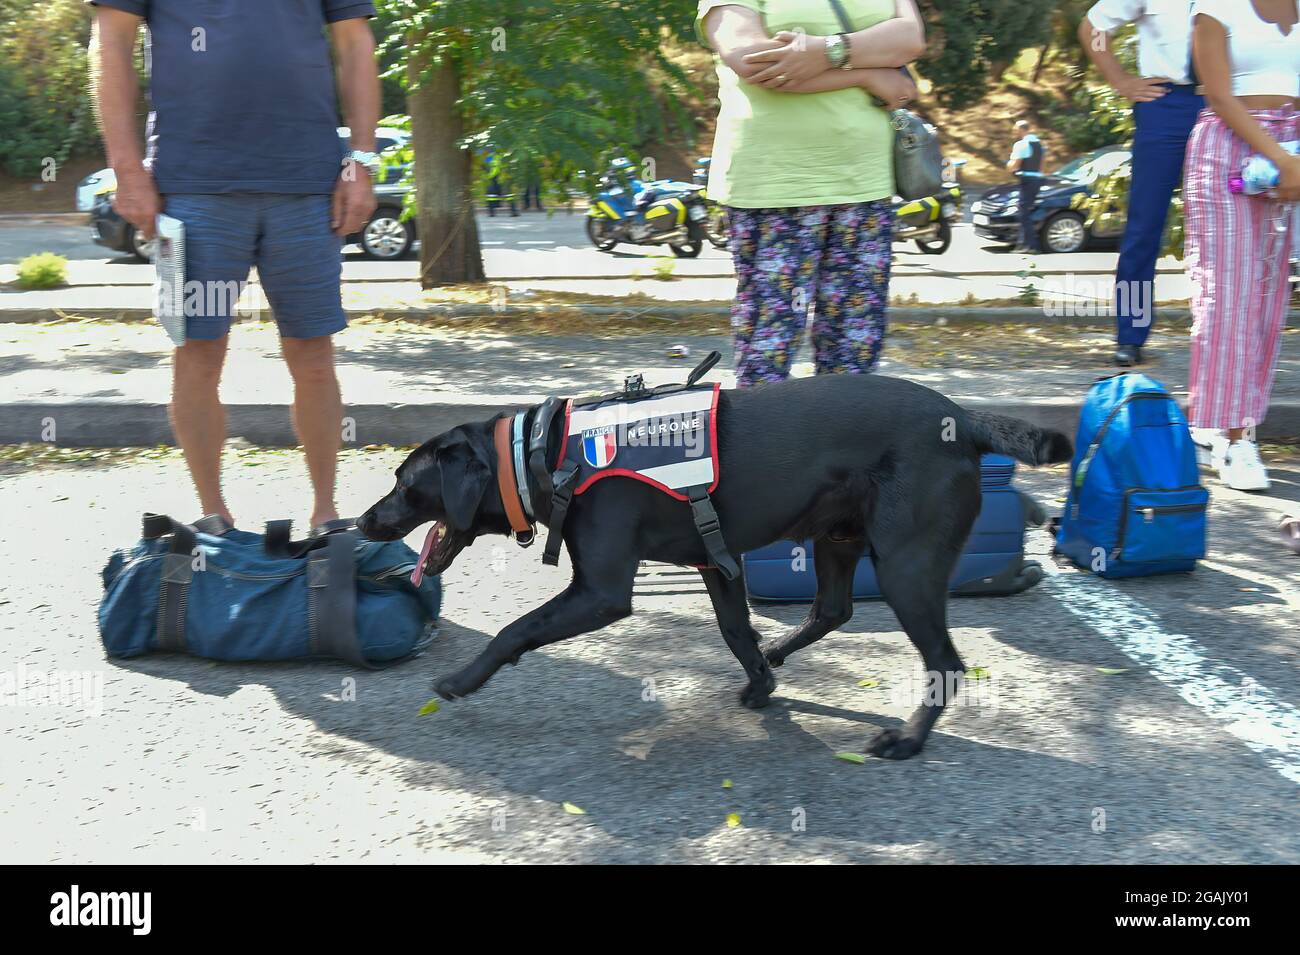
[(1258, 174)]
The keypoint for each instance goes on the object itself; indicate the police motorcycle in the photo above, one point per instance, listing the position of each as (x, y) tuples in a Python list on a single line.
[(661, 212), (718, 226), (928, 221)]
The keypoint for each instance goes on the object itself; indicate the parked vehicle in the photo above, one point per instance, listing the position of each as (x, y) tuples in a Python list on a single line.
[(718, 225), (928, 221), (1062, 226), (385, 236), (661, 212)]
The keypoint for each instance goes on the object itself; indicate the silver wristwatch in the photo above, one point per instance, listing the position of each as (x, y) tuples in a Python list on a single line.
[(368, 161), (837, 51)]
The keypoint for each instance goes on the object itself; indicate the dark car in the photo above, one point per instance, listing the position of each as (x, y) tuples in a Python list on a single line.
[(385, 236), (1061, 225)]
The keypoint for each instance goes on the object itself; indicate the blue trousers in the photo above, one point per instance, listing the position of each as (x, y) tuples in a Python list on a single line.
[(1159, 142), (1029, 188)]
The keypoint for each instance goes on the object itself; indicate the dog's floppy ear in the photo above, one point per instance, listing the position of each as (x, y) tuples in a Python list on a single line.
[(465, 476)]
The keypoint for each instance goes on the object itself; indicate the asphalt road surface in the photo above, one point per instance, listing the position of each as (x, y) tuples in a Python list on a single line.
[(1150, 720)]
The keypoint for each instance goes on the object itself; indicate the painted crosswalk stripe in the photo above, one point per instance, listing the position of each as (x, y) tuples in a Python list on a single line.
[(1249, 711)]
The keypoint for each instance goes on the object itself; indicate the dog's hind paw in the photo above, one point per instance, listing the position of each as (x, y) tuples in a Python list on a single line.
[(757, 695), (894, 744)]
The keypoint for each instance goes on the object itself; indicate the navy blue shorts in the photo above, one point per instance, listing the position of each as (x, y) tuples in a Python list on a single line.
[(288, 238)]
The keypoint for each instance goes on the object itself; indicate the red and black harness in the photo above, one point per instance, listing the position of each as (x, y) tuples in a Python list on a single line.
[(665, 437)]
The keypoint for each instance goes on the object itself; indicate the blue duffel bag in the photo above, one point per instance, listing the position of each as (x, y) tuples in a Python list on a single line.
[(227, 594)]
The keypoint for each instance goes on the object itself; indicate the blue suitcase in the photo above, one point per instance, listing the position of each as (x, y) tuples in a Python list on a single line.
[(993, 563)]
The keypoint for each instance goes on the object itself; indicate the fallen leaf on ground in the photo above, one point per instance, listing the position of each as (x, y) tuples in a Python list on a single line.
[(573, 810)]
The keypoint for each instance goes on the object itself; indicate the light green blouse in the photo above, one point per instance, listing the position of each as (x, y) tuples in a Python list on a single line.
[(778, 150)]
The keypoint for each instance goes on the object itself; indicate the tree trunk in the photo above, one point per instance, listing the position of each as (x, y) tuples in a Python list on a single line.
[(449, 245), (1043, 54)]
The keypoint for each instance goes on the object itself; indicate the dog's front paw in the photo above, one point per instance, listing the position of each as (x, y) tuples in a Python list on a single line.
[(758, 693), (452, 687), (894, 744)]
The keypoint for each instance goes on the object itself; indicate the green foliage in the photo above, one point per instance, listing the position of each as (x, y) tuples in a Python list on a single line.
[(554, 88), (45, 107), (43, 270), (972, 41)]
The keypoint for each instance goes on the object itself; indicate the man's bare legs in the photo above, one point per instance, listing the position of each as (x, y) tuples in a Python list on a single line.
[(317, 416), (198, 419)]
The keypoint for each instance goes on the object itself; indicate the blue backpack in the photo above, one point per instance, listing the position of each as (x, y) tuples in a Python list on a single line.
[(1136, 505), (227, 594)]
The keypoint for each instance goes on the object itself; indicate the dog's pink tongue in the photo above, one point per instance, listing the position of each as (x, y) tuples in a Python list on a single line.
[(430, 539)]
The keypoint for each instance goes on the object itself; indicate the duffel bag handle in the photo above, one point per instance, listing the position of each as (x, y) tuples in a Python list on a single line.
[(178, 570), (279, 540)]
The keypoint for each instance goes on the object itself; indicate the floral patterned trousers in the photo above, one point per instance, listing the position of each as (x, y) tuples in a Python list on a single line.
[(830, 261)]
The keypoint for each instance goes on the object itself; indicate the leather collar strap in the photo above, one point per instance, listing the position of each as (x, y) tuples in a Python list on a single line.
[(517, 441), (506, 482)]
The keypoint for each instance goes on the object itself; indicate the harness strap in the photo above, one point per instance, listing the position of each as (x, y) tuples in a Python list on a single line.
[(561, 498), (506, 483), (178, 571), (537, 462), (706, 522)]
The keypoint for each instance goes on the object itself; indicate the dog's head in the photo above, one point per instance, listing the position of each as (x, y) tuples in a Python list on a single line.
[(445, 480)]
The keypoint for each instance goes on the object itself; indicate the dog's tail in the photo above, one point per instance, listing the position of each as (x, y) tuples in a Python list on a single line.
[(1021, 440)]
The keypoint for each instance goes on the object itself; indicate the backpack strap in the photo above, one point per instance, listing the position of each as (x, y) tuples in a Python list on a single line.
[(178, 571)]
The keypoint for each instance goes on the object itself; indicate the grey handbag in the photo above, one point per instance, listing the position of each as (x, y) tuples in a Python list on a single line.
[(918, 161)]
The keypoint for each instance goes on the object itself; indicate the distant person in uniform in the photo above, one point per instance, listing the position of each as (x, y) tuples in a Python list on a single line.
[(496, 188), (1165, 107), (1027, 163)]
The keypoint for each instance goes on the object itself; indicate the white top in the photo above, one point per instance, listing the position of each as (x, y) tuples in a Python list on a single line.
[(1265, 61), (1164, 29)]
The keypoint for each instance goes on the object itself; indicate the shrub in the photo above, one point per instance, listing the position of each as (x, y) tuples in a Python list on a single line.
[(43, 270)]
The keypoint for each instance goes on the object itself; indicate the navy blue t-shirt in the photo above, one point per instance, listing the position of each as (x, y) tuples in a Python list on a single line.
[(242, 93)]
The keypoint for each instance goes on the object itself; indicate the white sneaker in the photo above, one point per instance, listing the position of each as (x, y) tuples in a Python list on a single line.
[(1211, 445), (1242, 470)]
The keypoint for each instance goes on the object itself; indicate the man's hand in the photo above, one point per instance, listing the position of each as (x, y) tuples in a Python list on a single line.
[(137, 201), (1141, 89), (354, 200), (800, 57)]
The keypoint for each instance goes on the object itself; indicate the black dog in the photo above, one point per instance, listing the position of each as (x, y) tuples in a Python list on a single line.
[(858, 464)]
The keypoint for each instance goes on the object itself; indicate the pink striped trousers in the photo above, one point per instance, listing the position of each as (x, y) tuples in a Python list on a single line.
[(1238, 250)]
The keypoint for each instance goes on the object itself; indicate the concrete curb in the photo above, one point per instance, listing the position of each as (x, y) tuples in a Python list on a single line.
[(122, 425), (904, 314)]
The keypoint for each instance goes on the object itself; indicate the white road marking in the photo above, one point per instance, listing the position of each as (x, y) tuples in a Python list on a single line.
[(1252, 712)]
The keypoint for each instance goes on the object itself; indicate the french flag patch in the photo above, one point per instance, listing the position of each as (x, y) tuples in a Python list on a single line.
[(599, 446)]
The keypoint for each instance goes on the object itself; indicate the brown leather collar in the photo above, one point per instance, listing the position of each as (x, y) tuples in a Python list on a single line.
[(506, 478)]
